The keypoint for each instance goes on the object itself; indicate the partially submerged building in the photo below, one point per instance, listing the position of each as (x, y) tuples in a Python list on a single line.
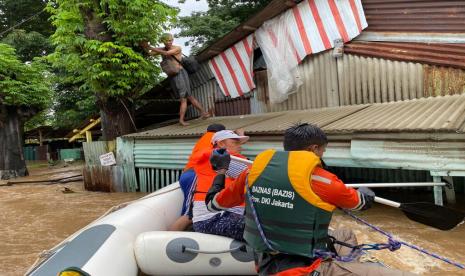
[(391, 102)]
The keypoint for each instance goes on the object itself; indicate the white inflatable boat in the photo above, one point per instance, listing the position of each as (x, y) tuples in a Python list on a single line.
[(134, 239)]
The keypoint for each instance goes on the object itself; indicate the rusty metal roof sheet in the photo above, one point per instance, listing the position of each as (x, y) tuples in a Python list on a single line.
[(437, 54), (439, 114), (390, 16), (423, 16)]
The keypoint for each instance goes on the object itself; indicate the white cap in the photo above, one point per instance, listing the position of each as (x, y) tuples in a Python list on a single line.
[(227, 134)]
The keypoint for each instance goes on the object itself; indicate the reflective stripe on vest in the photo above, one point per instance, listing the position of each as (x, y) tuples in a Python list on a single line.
[(294, 219)]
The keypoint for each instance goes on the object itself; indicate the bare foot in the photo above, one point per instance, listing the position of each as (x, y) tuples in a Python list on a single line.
[(184, 123), (205, 115)]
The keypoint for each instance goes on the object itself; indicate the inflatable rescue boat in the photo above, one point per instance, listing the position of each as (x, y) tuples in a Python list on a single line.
[(134, 239)]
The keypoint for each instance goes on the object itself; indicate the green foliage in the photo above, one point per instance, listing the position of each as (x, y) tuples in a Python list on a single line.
[(103, 53), (23, 84), (72, 103), (222, 17), (15, 11), (28, 44)]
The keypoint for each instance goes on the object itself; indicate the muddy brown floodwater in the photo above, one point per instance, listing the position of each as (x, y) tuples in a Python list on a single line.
[(36, 217)]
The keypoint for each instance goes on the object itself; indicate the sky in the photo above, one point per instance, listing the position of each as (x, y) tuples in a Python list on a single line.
[(186, 9)]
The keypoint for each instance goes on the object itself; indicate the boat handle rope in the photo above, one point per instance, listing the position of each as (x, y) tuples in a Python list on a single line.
[(197, 251), (391, 238)]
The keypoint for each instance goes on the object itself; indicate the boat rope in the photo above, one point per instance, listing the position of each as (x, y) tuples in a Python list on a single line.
[(391, 239), (197, 251), (255, 216), (357, 250)]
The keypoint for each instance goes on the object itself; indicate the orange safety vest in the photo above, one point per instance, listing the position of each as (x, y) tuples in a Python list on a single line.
[(205, 173), (204, 143)]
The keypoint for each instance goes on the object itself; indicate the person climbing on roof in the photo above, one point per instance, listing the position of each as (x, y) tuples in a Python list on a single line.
[(179, 78), (230, 221), (187, 178), (290, 199)]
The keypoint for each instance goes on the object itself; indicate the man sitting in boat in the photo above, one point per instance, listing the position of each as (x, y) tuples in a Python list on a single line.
[(289, 203), (229, 222), (187, 178)]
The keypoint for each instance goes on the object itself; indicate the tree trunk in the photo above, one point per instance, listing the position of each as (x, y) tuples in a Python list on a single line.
[(117, 118), (12, 163)]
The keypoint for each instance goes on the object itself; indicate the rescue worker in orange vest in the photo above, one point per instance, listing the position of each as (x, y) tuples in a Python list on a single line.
[(289, 203), (187, 178), (229, 222)]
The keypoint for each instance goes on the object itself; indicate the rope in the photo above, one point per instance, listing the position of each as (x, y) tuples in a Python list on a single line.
[(255, 216), (399, 243), (357, 250)]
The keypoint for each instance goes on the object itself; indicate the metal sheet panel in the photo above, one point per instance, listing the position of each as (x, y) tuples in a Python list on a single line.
[(319, 89), (202, 76), (371, 80), (415, 16), (446, 114), (425, 155), (198, 127), (205, 95), (231, 107), (436, 54), (320, 117)]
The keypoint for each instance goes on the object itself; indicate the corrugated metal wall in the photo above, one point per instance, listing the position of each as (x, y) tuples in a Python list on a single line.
[(319, 89), (443, 81), (355, 79), (372, 80), (415, 15), (231, 107), (159, 163), (205, 94)]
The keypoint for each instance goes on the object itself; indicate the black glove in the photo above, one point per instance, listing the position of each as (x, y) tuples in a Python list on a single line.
[(217, 186), (368, 197), (220, 159)]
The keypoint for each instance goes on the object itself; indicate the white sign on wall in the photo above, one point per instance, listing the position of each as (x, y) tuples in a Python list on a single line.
[(107, 159)]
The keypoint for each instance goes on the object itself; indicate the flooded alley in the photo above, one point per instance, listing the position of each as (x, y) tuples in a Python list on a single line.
[(36, 217)]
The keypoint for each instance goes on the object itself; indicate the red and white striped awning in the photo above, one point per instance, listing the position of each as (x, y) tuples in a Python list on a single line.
[(233, 68), (310, 27)]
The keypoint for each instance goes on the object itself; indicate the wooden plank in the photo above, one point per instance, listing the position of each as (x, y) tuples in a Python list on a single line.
[(125, 159)]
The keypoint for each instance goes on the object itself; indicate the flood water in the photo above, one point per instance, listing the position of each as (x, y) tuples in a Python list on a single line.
[(36, 217)]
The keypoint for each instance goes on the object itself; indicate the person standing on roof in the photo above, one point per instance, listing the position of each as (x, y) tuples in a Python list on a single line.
[(179, 78), (290, 199), (229, 222), (187, 178)]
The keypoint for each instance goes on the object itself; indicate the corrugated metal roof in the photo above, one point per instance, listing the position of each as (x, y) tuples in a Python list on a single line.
[(436, 54), (198, 127), (320, 117), (415, 15), (439, 114), (387, 16)]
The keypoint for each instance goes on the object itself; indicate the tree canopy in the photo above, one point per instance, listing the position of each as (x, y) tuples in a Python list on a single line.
[(28, 45), (22, 84), (97, 42), (30, 13), (97, 47), (221, 17)]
